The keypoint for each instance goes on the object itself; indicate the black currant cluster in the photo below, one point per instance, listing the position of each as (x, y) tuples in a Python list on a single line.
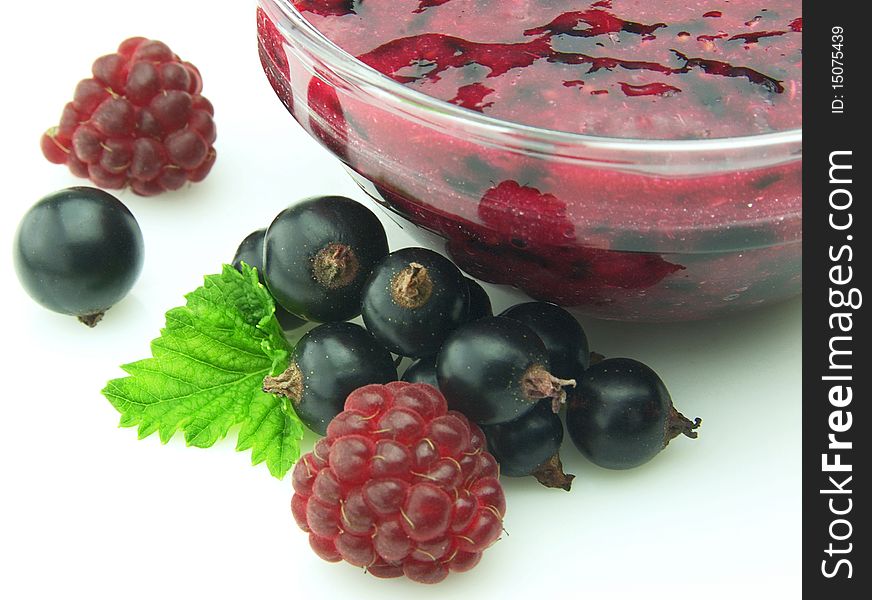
[(315, 258), (326, 260)]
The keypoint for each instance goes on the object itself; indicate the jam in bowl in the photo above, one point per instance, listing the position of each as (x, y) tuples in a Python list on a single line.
[(630, 161)]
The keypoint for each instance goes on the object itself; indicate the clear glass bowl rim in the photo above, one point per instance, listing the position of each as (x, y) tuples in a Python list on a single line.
[(350, 68)]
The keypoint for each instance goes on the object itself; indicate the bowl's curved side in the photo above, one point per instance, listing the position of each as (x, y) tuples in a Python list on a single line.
[(624, 229)]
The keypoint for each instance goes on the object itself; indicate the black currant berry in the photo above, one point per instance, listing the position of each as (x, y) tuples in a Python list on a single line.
[(479, 302), (563, 336), (317, 255), (530, 445), (78, 252), (621, 415), (250, 252), (330, 361), (413, 300), (422, 370), (496, 369)]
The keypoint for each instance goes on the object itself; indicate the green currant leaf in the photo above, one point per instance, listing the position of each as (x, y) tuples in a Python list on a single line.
[(206, 373), (271, 434)]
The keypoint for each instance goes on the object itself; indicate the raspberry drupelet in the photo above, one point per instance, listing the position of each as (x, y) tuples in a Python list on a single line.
[(400, 486), (139, 121)]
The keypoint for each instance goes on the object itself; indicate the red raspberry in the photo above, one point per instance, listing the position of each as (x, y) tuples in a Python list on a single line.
[(526, 216), (400, 485), (139, 121)]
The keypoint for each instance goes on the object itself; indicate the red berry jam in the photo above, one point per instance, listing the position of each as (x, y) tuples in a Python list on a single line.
[(670, 235)]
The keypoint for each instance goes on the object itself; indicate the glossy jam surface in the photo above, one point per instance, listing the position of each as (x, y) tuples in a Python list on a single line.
[(671, 69), (654, 235)]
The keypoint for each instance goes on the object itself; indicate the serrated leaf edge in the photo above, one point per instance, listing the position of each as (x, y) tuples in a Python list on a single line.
[(271, 330)]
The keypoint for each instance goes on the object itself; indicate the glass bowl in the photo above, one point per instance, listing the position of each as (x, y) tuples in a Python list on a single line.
[(627, 229)]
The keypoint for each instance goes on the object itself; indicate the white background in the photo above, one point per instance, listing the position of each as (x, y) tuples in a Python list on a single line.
[(88, 511)]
